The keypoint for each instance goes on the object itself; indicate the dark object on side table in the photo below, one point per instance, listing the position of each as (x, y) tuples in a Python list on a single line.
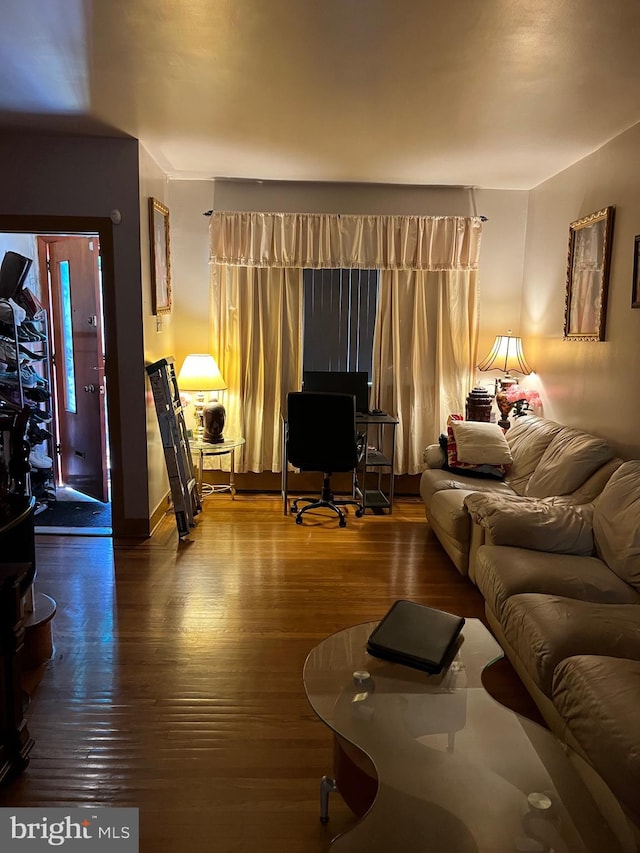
[(213, 418), (478, 405)]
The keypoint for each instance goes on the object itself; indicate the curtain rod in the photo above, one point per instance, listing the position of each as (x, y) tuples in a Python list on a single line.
[(481, 218)]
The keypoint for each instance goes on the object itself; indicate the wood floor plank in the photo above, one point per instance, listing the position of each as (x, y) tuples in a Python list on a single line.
[(176, 683)]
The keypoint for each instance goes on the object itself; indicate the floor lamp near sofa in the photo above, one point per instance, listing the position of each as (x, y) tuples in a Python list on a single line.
[(506, 355)]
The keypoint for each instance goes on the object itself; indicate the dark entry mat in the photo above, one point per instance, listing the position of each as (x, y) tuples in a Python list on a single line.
[(75, 514)]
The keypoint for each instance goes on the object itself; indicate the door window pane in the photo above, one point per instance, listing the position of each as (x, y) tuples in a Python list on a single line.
[(68, 367)]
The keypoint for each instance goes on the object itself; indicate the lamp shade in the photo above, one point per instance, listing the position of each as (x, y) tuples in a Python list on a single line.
[(506, 355), (200, 372)]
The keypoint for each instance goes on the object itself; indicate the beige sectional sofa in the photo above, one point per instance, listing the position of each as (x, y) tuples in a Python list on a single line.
[(559, 464), (569, 621), (555, 552)]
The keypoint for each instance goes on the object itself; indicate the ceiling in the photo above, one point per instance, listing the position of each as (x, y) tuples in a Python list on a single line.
[(484, 93)]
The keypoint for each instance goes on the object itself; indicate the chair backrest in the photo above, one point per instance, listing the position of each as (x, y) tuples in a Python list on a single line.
[(321, 431)]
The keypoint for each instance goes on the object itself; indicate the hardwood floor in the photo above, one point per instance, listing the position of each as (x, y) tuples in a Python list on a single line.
[(176, 683)]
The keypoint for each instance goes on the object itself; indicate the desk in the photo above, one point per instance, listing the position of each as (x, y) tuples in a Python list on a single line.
[(456, 771), (205, 448)]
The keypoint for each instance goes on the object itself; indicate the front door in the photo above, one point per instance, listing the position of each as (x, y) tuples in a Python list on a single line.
[(79, 364)]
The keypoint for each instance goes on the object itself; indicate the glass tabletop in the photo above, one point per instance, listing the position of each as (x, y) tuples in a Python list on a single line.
[(457, 772), (208, 447)]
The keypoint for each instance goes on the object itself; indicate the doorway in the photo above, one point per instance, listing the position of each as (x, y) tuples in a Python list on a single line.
[(74, 494)]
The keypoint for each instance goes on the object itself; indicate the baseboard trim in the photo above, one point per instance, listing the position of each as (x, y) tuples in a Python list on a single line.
[(159, 513)]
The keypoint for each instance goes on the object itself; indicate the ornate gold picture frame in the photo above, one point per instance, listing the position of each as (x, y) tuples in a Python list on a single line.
[(588, 276), (160, 257)]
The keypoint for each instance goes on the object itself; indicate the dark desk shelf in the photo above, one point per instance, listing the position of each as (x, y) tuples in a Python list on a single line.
[(375, 459), (379, 435), (374, 499)]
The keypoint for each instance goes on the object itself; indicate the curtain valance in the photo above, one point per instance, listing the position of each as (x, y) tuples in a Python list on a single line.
[(332, 241)]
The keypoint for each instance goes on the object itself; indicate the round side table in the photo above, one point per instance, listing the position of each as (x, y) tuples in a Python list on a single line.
[(205, 448)]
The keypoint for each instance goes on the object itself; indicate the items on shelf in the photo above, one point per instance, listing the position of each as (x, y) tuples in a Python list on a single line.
[(25, 382)]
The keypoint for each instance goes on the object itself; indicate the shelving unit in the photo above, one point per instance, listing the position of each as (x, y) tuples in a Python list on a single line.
[(16, 347), (376, 463)]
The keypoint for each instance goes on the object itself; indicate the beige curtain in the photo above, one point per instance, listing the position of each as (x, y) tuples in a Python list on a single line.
[(426, 325), (424, 354), (329, 241), (257, 334)]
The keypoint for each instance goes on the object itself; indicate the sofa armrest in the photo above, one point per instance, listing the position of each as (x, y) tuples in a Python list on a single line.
[(533, 523)]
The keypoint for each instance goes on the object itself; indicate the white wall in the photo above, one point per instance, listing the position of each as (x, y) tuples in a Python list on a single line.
[(190, 261), (158, 331), (584, 383)]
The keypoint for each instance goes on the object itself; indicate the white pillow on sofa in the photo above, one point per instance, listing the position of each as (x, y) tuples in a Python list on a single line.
[(481, 443)]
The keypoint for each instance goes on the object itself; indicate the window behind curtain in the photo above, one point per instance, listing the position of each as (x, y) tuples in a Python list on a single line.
[(339, 317)]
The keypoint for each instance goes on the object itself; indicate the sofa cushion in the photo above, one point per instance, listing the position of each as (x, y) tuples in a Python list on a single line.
[(533, 523), (447, 509), (598, 698), (545, 629), (528, 439), (455, 462), (569, 460), (436, 479), (616, 523), (501, 572), (480, 443)]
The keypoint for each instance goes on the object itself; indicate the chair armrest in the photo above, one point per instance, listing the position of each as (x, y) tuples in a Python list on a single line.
[(434, 456), (533, 523)]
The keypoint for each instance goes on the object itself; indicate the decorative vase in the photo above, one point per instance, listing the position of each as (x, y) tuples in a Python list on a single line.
[(478, 405), (213, 416)]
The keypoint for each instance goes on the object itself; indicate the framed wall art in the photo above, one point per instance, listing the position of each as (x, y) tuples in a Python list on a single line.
[(588, 276), (160, 257), (635, 290)]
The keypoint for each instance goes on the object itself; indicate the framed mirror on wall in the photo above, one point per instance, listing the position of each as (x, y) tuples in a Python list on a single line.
[(588, 276), (160, 257)]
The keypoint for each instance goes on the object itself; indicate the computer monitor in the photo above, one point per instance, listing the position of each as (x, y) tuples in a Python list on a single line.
[(355, 382)]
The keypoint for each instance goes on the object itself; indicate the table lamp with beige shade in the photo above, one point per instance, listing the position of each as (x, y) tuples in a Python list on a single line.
[(506, 355), (200, 373)]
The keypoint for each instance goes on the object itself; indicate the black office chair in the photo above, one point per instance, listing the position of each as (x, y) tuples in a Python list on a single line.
[(321, 436)]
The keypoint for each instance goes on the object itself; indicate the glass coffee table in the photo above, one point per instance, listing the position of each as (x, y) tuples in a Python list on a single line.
[(456, 771)]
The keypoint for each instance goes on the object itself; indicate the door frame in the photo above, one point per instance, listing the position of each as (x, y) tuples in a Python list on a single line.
[(103, 227), (44, 242)]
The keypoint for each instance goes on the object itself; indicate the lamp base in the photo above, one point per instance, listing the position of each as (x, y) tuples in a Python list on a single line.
[(213, 416), (504, 405)]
